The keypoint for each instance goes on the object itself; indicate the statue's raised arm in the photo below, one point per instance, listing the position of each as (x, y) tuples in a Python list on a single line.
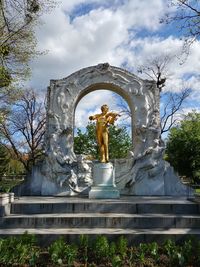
[(112, 117)]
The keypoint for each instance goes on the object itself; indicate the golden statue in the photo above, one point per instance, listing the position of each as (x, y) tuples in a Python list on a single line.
[(103, 120)]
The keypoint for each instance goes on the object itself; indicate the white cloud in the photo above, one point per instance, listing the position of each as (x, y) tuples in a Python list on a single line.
[(91, 104), (179, 76), (109, 31), (91, 38), (141, 13)]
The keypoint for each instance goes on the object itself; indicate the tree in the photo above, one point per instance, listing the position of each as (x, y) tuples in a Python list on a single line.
[(9, 165), (22, 129), (157, 70), (85, 143), (119, 142), (173, 103), (124, 111), (183, 147), (187, 18), (3, 160), (17, 43)]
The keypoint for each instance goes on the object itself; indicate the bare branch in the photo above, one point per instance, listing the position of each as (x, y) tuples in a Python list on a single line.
[(174, 104), (186, 18), (157, 69), (23, 129)]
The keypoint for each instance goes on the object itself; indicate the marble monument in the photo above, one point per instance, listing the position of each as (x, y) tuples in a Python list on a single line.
[(142, 173)]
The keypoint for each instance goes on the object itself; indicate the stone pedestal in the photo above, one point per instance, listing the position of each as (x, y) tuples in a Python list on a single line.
[(103, 182)]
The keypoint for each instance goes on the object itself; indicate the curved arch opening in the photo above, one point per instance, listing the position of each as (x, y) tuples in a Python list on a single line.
[(88, 103), (103, 86)]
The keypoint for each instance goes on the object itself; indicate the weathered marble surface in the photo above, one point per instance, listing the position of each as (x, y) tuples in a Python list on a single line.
[(143, 172), (103, 181)]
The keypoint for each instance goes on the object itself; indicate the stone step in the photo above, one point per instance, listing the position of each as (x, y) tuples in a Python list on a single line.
[(100, 220), (140, 219), (134, 236), (134, 205)]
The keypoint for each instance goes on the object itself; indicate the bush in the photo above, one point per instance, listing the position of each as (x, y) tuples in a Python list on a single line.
[(61, 252), (122, 247), (83, 248), (22, 251), (19, 250), (101, 248)]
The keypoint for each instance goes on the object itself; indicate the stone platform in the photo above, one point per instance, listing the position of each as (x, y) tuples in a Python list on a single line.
[(103, 182), (139, 219)]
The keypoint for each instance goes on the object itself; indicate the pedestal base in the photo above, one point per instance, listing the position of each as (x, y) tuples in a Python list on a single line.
[(103, 182), (104, 192)]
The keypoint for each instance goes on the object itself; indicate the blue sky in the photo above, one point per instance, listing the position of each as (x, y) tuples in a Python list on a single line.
[(124, 33)]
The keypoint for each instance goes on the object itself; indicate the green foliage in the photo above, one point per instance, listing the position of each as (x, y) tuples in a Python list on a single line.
[(22, 251), (56, 251), (178, 255), (18, 42), (196, 252), (116, 261), (147, 253), (9, 165), (101, 248), (187, 251), (122, 244), (4, 160), (84, 247), (14, 167), (183, 147), (85, 143), (131, 256), (153, 250), (5, 77), (116, 252), (19, 250), (6, 185), (112, 249), (119, 142), (141, 253), (61, 252)]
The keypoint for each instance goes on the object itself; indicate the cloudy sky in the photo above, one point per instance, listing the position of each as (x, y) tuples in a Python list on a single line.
[(124, 33)]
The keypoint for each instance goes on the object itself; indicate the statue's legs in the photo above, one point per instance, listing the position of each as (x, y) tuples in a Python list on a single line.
[(102, 139), (101, 146), (105, 141), (102, 153)]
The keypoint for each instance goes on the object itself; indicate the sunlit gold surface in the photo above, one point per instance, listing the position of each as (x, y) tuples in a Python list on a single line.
[(102, 122)]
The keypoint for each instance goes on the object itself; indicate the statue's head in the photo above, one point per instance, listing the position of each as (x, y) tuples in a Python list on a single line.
[(104, 108)]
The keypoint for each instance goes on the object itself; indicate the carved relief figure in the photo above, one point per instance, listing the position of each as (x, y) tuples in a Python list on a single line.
[(102, 122)]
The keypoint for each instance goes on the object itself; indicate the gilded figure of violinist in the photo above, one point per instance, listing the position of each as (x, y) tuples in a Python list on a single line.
[(102, 122)]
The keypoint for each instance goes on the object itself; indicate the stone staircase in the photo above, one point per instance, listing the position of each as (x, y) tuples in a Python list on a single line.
[(139, 219)]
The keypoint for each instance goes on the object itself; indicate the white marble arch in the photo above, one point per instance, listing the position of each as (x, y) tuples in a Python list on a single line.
[(141, 95), (143, 172)]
